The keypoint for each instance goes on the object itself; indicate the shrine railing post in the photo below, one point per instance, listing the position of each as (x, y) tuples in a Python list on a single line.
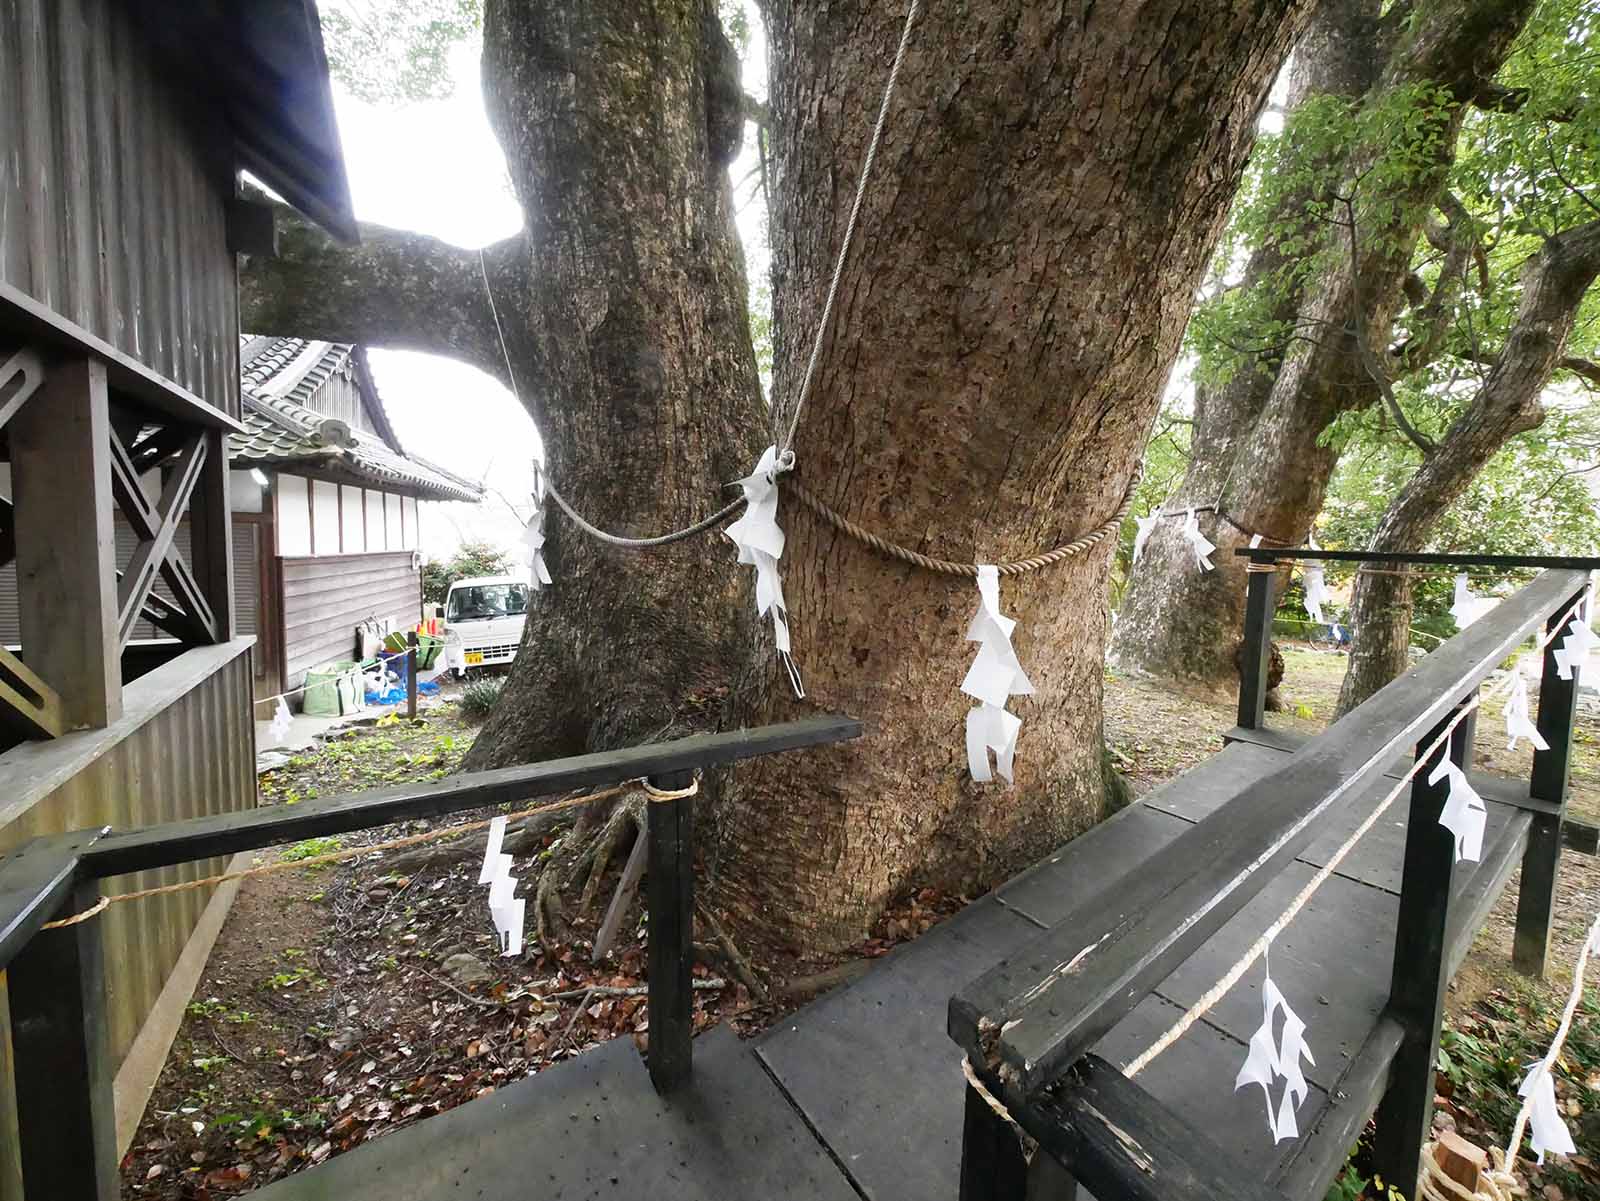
[(1417, 984), (670, 897), (1558, 708), (1257, 656)]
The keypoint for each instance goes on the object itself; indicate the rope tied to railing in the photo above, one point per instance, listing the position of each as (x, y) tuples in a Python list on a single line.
[(394, 844)]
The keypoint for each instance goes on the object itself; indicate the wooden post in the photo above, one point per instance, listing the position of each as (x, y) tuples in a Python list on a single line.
[(670, 898), (1257, 657), (211, 534), (66, 1121), (992, 1165), (1558, 708), (411, 674), (66, 548), (1417, 981)]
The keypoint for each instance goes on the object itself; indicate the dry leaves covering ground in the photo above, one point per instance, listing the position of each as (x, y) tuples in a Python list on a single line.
[(344, 1002)]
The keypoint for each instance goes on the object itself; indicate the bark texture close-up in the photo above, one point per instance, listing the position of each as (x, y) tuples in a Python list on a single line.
[(1045, 202), (1260, 453)]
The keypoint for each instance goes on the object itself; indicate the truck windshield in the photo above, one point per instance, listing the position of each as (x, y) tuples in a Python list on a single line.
[(487, 600)]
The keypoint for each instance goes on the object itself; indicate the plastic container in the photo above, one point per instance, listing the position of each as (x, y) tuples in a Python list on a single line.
[(332, 689), (428, 648)]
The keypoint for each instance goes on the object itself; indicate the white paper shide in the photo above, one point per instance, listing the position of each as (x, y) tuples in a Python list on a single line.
[(281, 721), (1271, 1060), (1143, 526), (1316, 586), (1464, 812), (994, 677), (1468, 606), (1575, 647), (760, 544), (533, 535), (1198, 542), (505, 909), (1519, 717), (1546, 1129)]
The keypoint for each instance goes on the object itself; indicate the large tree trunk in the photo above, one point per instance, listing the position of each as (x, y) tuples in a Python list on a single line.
[(1260, 454), (623, 308), (1554, 283), (1046, 200), (1047, 197)]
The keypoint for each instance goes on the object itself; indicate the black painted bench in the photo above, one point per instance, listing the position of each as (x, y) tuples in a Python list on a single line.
[(1032, 1024)]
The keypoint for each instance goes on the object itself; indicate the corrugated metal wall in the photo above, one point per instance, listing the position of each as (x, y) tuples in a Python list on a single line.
[(108, 214), (193, 755), (324, 598)]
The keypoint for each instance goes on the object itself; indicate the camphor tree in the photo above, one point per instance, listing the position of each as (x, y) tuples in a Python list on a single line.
[(1050, 188), (1372, 252)]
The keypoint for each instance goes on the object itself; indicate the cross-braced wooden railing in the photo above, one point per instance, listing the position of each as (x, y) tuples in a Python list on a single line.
[(78, 452)]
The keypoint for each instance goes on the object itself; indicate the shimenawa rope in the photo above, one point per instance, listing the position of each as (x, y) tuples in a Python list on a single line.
[(654, 795)]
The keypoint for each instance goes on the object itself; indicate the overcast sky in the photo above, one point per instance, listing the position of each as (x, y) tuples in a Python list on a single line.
[(436, 168)]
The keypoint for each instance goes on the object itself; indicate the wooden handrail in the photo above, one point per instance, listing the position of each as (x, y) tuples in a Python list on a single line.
[(1037, 1012)]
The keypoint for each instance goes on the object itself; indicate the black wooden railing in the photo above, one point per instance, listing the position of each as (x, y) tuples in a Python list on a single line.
[(56, 987), (1028, 1024)]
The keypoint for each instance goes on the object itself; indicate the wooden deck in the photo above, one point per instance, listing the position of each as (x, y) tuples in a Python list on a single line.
[(861, 1093)]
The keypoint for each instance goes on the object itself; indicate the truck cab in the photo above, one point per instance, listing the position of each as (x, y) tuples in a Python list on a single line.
[(483, 619)]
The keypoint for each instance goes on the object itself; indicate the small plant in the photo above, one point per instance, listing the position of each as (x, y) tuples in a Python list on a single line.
[(479, 698), (312, 847)]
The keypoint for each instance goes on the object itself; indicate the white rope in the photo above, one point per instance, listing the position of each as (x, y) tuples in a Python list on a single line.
[(1209, 1000), (1590, 939), (784, 443)]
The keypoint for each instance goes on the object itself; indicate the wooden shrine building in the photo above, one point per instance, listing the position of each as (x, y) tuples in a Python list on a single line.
[(124, 126)]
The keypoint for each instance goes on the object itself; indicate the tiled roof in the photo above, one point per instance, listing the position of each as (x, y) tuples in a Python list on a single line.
[(279, 377)]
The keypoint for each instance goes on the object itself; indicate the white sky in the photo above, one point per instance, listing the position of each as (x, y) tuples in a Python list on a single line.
[(436, 168)]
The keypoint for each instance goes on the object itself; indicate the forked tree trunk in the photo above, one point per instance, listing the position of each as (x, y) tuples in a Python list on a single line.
[(1047, 197), (1554, 283), (1260, 445)]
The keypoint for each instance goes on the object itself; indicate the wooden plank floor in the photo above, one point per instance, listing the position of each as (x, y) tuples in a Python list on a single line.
[(877, 1077), (860, 1093)]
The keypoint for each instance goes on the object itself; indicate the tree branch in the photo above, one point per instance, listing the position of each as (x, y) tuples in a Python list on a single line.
[(395, 289), (1493, 97), (755, 110), (1368, 359), (1586, 369)]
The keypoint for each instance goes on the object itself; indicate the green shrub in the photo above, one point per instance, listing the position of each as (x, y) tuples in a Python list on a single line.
[(479, 698)]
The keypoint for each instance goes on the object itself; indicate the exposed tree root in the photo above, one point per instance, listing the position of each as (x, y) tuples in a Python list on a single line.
[(737, 963), (583, 854)]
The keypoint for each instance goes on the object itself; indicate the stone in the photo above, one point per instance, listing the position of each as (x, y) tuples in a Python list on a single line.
[(465, 968)]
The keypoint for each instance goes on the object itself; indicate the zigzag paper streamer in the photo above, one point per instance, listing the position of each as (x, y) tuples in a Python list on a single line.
[(760, 542), (533, 535), (995, 676)]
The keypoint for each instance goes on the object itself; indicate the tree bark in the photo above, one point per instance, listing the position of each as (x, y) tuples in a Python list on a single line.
[(1260, 451), (1047, 199), (623, 309), (1554, 283), (1048, 194)]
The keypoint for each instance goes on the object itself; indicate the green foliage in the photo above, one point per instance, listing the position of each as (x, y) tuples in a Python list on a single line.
[(312, 847), (472, 559), (479, 698), (388, 51)]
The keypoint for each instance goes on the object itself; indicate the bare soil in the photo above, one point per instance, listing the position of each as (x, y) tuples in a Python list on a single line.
[(327, 1015)]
